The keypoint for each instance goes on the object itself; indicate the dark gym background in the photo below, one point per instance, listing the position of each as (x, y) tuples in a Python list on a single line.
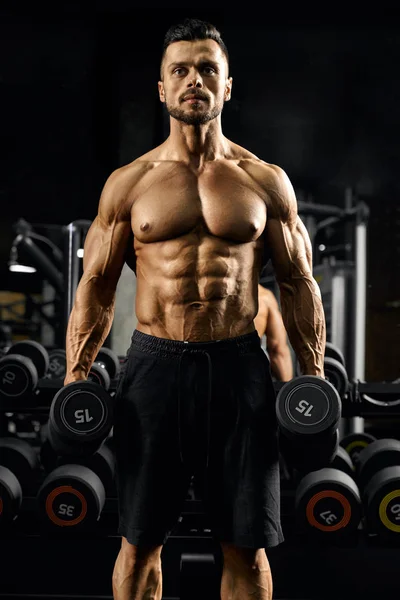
[(319, 97)]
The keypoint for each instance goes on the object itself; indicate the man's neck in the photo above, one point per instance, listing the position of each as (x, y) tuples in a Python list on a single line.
[(196, 144)]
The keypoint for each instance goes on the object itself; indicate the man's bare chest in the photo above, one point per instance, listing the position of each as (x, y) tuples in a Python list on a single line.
[(226, 203)]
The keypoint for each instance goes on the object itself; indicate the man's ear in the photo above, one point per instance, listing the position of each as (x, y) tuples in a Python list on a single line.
[(161, 92), (228, 89)]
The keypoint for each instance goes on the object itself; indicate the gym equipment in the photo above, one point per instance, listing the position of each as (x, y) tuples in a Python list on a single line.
[(57, 364), (328, 503), (72, 497), (18, 466), (336, 374), (334, 368), (308, 455), (80, 418), (308, 406), (99, 375), (378, 477), (21, 368), (343, 462), (105, 368), (332, 351), (198, 577), (110, 362), (380, 454), (102, 462), (354, 443)]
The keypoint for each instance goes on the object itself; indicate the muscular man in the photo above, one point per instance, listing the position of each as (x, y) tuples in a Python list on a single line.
[(196, 218), (269, 322)]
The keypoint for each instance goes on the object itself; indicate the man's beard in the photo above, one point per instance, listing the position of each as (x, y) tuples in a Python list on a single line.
[(194, 118)]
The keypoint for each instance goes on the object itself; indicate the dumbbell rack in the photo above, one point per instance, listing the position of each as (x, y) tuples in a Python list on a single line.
[(191, 534)]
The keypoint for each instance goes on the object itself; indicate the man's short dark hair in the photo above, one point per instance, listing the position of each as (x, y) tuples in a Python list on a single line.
[(190, 30)]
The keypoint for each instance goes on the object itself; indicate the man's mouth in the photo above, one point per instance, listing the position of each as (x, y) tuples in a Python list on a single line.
[(193, 98)]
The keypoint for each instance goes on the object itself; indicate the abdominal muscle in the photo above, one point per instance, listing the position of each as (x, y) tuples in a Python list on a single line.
[(196, 292)]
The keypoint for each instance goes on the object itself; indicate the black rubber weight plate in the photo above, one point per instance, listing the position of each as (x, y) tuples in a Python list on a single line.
[(81, 411), (36, 352), (308, 405)]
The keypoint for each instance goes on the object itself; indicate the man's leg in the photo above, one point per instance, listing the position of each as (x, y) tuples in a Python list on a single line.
[(246, 574), (137, 573)]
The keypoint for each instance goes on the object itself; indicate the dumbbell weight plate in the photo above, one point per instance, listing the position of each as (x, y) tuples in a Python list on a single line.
[(99, 375), (377, 456), (308, 405), (342, 462), (328, 502), (70, 497), (354, 443), (332, 351), (57, 364), (336, 374), (304, 455), (80, 418), (18, 376), (102, 462), (48, 456), (10, 496), (381, 499), (21, 459), (198, 576), (110, 361), (35, 351)]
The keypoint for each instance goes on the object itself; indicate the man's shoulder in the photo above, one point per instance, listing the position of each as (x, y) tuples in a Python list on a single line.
[(132, 172), (273, 180), (268, 297), (266, 174)]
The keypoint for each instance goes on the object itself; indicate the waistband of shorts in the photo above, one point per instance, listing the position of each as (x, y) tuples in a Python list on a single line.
[(161, 347)]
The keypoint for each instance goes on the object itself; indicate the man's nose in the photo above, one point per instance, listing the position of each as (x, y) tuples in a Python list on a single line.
[(195, 81)]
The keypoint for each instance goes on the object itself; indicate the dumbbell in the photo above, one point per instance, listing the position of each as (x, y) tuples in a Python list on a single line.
[(102, 462), (328, 504), (199, 576), (105, 367), (80, 418), (378, 477), (18, 466), (71, 498), (308, 410), (342, 461), (354, 443), (334, 369), (21, 368), (57, 364), (333, 351)]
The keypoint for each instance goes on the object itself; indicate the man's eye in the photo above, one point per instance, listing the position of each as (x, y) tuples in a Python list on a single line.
[(178, 71), (209, 70)]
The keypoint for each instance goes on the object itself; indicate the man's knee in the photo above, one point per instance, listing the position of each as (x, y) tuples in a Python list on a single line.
[(238, 557), (139, 555)]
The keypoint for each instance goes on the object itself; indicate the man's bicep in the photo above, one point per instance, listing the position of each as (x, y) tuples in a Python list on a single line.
[(105, 249), (290, 249), (109, 236)]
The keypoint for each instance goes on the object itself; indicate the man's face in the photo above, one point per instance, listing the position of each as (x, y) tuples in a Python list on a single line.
[(195, 81)]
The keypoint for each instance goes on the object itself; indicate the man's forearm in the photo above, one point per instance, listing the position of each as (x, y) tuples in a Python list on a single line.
[(304, 319), (88, 326), (281, 364)]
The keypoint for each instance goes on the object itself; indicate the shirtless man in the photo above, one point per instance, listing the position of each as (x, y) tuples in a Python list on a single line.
[(196, 218), (269, 322)]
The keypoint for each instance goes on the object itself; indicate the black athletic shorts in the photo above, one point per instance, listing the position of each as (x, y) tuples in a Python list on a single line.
[(202, 409)]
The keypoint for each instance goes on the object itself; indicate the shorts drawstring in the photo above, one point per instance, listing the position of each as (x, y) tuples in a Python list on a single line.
[(192, 352)]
